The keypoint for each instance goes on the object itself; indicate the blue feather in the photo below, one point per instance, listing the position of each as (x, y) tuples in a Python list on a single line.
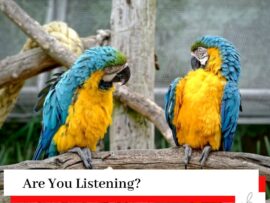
[(229, 54), (169, 100), (59, 98), (229, 114)]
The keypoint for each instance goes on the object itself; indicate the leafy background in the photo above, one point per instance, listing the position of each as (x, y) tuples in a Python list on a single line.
[(179, 22)]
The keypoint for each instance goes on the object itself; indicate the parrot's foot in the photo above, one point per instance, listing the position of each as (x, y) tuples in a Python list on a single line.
[(205, 153), (188, 152), (85, 155)]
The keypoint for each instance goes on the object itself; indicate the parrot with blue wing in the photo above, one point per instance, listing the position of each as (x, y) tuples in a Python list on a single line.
[(77, 104), (202, 108)]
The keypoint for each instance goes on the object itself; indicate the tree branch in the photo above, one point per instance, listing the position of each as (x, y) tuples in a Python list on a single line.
[(34, 30), (170, 158), (147, 108), (32, 62)]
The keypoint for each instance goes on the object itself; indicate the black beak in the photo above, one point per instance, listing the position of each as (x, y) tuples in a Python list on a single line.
[(195, 63), (122, 76)]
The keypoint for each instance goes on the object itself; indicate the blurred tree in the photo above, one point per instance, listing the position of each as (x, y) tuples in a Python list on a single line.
[(133, 32)]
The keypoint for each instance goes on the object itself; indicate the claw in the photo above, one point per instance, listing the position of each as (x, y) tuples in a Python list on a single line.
[(85, 155), (187, 157), (205, 153)]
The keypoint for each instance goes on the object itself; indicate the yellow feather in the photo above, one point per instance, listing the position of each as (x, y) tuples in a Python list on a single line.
[(88, 118), (198, 103), (214, 62)]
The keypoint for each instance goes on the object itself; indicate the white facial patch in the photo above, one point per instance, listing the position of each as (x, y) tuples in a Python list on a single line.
[(109, 77), (201, 55), (111, 72), (204, 60)]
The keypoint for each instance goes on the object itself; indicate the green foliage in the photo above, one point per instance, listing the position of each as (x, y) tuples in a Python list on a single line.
[(267, 144), (18, 141), (268, 191), (252, 139), (160, 142)]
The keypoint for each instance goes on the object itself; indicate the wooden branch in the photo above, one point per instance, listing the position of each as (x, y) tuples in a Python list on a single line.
[(28, 64), (34, 30), (24, 65), (62, 55), (147, 108), (32, 62), (170, 158)]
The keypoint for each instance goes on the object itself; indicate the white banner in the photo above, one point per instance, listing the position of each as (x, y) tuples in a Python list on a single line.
[(243, 184)]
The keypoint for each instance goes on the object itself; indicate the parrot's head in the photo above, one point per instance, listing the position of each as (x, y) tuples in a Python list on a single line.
[(96, 69), (106, 65), (217, 55)]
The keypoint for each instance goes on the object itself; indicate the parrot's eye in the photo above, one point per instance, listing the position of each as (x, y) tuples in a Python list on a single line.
[(201, 53)]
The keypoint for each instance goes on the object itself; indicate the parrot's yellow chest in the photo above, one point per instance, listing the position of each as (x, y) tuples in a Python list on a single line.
[(88, 118), (198, 121)]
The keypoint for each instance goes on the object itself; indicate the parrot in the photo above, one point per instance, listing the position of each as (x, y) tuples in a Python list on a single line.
[(77, 104), (202, 108)]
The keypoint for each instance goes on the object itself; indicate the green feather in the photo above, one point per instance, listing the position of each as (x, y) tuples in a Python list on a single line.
[(121, 59), (198, 44)]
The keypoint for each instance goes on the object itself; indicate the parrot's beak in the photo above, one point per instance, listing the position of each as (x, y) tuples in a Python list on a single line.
[(115, 74), (122, 76), (195, 63)]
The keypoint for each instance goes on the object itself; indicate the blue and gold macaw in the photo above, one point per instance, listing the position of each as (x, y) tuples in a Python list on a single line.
[(202, 108), (78, 104)]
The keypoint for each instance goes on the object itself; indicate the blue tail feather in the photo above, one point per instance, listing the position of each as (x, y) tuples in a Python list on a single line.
[(37, 152)]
